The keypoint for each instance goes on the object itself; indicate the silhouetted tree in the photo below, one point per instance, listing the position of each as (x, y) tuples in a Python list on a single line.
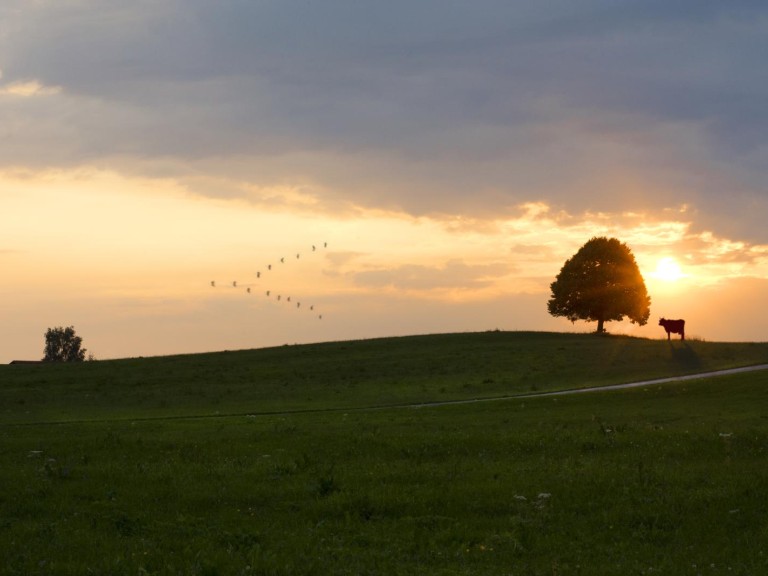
[(601, 282), (61, 345)]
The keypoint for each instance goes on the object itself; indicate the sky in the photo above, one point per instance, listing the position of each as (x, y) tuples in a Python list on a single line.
[(443, 158)]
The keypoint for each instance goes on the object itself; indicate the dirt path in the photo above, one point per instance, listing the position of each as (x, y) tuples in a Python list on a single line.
[(653, 382), (603, 388)]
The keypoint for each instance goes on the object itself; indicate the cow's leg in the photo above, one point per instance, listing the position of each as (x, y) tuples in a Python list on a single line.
[(682, 334), (669, 335)]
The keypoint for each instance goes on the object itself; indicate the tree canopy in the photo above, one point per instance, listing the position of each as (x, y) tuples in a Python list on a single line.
[(62, 345), (602, 283)]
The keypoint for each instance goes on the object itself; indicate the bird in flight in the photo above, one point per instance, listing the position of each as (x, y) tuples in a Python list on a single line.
[(248, 286)]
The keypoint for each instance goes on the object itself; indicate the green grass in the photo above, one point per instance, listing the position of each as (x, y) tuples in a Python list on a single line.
[(376, 372), (663, 480)]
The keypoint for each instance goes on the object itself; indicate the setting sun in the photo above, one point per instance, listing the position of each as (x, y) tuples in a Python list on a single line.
[(668, 270)]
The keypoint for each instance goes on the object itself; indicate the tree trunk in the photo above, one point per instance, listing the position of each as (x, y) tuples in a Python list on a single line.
[(600, 328)]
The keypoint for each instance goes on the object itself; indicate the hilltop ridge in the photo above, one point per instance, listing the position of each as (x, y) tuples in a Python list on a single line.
[(349, 374)]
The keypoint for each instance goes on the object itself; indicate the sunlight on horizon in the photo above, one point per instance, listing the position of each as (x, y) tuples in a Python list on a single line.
[(668, 270), (143, 253)]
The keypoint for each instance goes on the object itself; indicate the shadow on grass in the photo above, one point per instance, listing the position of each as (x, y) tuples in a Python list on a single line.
[(684, 356)]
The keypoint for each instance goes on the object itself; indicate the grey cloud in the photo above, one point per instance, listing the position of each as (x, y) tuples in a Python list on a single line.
[(425, 107)]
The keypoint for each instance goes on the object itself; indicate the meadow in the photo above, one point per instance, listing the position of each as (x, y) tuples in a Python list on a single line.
[(306, 460)]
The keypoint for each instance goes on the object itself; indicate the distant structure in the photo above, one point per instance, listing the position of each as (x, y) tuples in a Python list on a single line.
[(25, 362)]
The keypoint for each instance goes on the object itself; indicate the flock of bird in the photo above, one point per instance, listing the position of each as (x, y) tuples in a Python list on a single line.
[(270, 293)]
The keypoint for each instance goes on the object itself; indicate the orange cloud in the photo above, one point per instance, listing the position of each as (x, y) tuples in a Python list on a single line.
[(28, 89)]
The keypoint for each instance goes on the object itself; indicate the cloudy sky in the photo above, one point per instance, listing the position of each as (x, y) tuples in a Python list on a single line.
[(451, 154)]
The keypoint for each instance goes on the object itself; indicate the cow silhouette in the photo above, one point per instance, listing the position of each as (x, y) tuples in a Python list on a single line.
[(673, 327)]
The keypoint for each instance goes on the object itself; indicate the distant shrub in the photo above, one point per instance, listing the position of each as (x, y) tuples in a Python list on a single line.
[(62, 345)]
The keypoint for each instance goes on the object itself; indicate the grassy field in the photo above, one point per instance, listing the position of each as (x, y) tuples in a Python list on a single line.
[(355, 374), (663, 480)]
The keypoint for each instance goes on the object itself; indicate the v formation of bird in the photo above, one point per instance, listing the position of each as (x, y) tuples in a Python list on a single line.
[(270, 293)]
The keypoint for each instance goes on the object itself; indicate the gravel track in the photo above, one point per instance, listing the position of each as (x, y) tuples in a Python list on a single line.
[(625, 386)]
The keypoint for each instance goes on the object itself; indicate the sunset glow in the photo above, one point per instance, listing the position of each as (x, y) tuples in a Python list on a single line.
[(451, 166), (109, 250), (668, 270)]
